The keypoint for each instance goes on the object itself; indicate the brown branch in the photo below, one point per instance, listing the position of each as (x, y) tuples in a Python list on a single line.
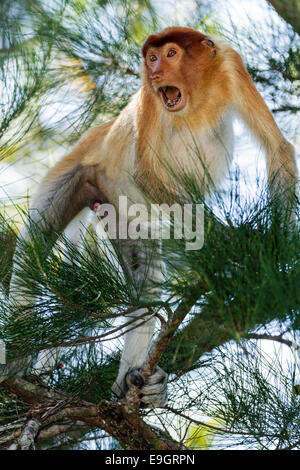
[(164, 338), (156, 351), (32, 393), (57, 429), (112, 417), (277, 338)]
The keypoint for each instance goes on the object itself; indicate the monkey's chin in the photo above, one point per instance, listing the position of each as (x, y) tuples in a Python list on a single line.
[(172, 98)]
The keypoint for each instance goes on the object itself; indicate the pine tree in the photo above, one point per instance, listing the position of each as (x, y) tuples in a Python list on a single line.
[(63, 68)]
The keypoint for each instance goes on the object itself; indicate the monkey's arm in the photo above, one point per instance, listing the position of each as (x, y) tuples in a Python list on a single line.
[(280, 154)]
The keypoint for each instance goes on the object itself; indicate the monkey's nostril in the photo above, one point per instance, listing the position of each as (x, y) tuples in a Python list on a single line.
[(155, 77)]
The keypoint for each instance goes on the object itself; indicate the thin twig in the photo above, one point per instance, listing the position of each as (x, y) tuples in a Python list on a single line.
[(277, 338)]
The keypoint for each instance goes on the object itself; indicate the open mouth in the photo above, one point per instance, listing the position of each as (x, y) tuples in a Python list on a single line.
[(172, 98)]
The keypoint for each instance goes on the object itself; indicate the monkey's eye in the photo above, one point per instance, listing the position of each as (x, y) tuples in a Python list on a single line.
[(171, 53), (152, 58)]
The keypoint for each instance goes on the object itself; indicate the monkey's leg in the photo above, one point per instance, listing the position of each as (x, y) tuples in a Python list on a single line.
[(138, 338), (65, 191), (74, 233)]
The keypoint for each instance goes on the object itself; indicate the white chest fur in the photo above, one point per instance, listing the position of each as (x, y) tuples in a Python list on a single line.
[(205, 153)]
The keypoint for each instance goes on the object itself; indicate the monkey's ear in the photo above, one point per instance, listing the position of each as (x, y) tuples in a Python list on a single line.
[(210, 44)]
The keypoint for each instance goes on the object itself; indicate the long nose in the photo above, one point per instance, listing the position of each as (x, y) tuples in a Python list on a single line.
[(157, 71)]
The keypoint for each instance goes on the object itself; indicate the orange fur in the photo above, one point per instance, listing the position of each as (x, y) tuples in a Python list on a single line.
[(179, 119), (213, 82)]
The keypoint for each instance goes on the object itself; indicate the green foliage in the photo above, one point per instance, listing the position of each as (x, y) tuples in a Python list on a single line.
[(244, 282), (271, 49), (258, 406), (86, 373)]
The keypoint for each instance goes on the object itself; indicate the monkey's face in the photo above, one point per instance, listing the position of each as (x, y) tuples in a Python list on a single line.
[(164, 72), (179, 75)]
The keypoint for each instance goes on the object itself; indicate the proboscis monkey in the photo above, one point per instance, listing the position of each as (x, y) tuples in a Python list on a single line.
[(192, 85)]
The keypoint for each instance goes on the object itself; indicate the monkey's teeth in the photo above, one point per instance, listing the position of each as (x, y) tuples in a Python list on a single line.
[(171, 103), (168, 101)]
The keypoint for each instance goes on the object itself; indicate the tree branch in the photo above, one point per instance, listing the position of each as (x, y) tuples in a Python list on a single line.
[(113, 417), (157, 349), (29, 433), (277, 338), (289, 10)]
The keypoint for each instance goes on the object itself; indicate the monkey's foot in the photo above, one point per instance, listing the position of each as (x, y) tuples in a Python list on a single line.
[(153, 391)]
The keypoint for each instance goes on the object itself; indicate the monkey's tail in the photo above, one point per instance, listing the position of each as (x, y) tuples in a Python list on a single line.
[(64, 192), (56, 200)]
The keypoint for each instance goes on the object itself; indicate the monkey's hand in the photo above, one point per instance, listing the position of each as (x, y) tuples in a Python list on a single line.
[(153, 391)]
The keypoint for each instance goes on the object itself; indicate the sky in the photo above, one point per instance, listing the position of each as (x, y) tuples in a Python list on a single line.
[(247, 156)]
